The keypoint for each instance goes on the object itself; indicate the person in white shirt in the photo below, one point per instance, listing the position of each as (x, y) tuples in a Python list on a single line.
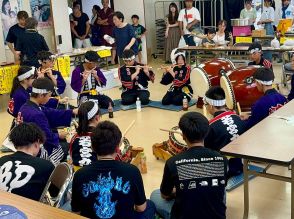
[(287, 10), (188, 17), (267, 17)]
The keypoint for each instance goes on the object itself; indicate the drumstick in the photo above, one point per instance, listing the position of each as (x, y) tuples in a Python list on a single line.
[(173, 131), (204, 111), (135, 66), (128, 129), (239, 108)]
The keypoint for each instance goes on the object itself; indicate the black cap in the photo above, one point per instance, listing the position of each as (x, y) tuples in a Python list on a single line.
[(91, 56), (254, 47), (264, 75)]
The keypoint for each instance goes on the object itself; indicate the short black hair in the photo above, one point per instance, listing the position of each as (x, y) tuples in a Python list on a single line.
[(106, 137), (44, 55), (135, 16), (248, 1), (96, 7), (128, 53), (264, 74), (255, 45), (92, 56), (119, 15), (22, 15), (211, 31), (42, 83), (75, 4), (26, 134), (215, 93), (194, 126)]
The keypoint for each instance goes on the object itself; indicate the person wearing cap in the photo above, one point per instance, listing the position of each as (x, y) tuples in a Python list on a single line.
[(22, 173), (194, 181), (47, 119), (109, 188), (85, 80), (19, 93), (255, 51), (269, 103), (46, 60), (188, 17), (179, 76), (248, 12), (134, 78), (225, 127)]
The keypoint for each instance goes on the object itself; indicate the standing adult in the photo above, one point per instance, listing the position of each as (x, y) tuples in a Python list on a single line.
[(287, 10), (249, 12), (124, 35), (105, 20), (80, 28), (95, 27), (188, 17), (8, 17), (16, 31), (172, 33), (30, 43)]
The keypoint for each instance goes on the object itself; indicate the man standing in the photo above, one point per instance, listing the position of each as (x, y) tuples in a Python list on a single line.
[(15, 32), (193, 183), (80, 27), (188, 17)]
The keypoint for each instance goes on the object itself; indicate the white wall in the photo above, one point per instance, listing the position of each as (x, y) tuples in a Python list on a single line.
[(88, 5), (128, 8), (61, 24)]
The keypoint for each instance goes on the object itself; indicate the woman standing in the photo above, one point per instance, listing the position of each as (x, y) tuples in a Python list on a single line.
[(95, 27), (8, 17), (249, 13), (268, 17), (172, 33)]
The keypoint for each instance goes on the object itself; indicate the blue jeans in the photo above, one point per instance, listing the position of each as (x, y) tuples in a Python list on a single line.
[(149, 212), (163, 207), (189, 39)]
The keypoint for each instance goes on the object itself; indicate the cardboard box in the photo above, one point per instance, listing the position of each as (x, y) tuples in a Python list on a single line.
[(258, 33)]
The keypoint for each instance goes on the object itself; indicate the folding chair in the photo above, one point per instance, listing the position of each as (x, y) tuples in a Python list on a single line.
[(60, 179), (286, 68)]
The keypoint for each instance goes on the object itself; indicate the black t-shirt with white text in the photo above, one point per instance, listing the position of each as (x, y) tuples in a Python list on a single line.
[(107, 189), (14, 33), (24, 175), (199, 176)]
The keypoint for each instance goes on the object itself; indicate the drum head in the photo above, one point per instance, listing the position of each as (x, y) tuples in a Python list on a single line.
[(226, 84), (200, 82)]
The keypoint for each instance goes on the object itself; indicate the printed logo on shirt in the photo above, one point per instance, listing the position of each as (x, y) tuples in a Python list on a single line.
[(11, 106), (232, 128), (214, 182), (187, 16), (105, 206), (222, 182), (182, 186), (85, 150), (23, 174), (275, 108), (204, 183), (192, 185)]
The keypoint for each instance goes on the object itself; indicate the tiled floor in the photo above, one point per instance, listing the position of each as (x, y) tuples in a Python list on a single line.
[(269, 199)]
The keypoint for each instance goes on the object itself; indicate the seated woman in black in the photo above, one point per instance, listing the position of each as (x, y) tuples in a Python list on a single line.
[(180, 77), (134, 78)]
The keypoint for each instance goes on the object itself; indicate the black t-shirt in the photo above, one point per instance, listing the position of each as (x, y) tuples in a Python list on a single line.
[(30, 43), (224, 128), (81, 28), (263, 62), (139, 30), (199, 176), (24, 175), (107, 189), (14, 33)]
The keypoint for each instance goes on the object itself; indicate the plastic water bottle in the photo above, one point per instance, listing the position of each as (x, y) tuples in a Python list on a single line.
[(110, 110), (185, 104), (138, 105)]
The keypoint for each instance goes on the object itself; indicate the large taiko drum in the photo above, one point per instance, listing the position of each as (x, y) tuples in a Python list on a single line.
[(239, 87), (175, 143), (208, 74)]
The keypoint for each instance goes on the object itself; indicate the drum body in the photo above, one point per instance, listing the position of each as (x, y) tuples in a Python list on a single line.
[(176, 144), (240, 88), (208, 74)]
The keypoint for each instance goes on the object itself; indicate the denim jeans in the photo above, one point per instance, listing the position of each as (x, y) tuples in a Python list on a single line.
[(163, 207), (189, 39)]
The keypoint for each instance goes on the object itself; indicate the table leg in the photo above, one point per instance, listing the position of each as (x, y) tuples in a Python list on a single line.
[(292, 190), (189, 55), (246, 189)]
